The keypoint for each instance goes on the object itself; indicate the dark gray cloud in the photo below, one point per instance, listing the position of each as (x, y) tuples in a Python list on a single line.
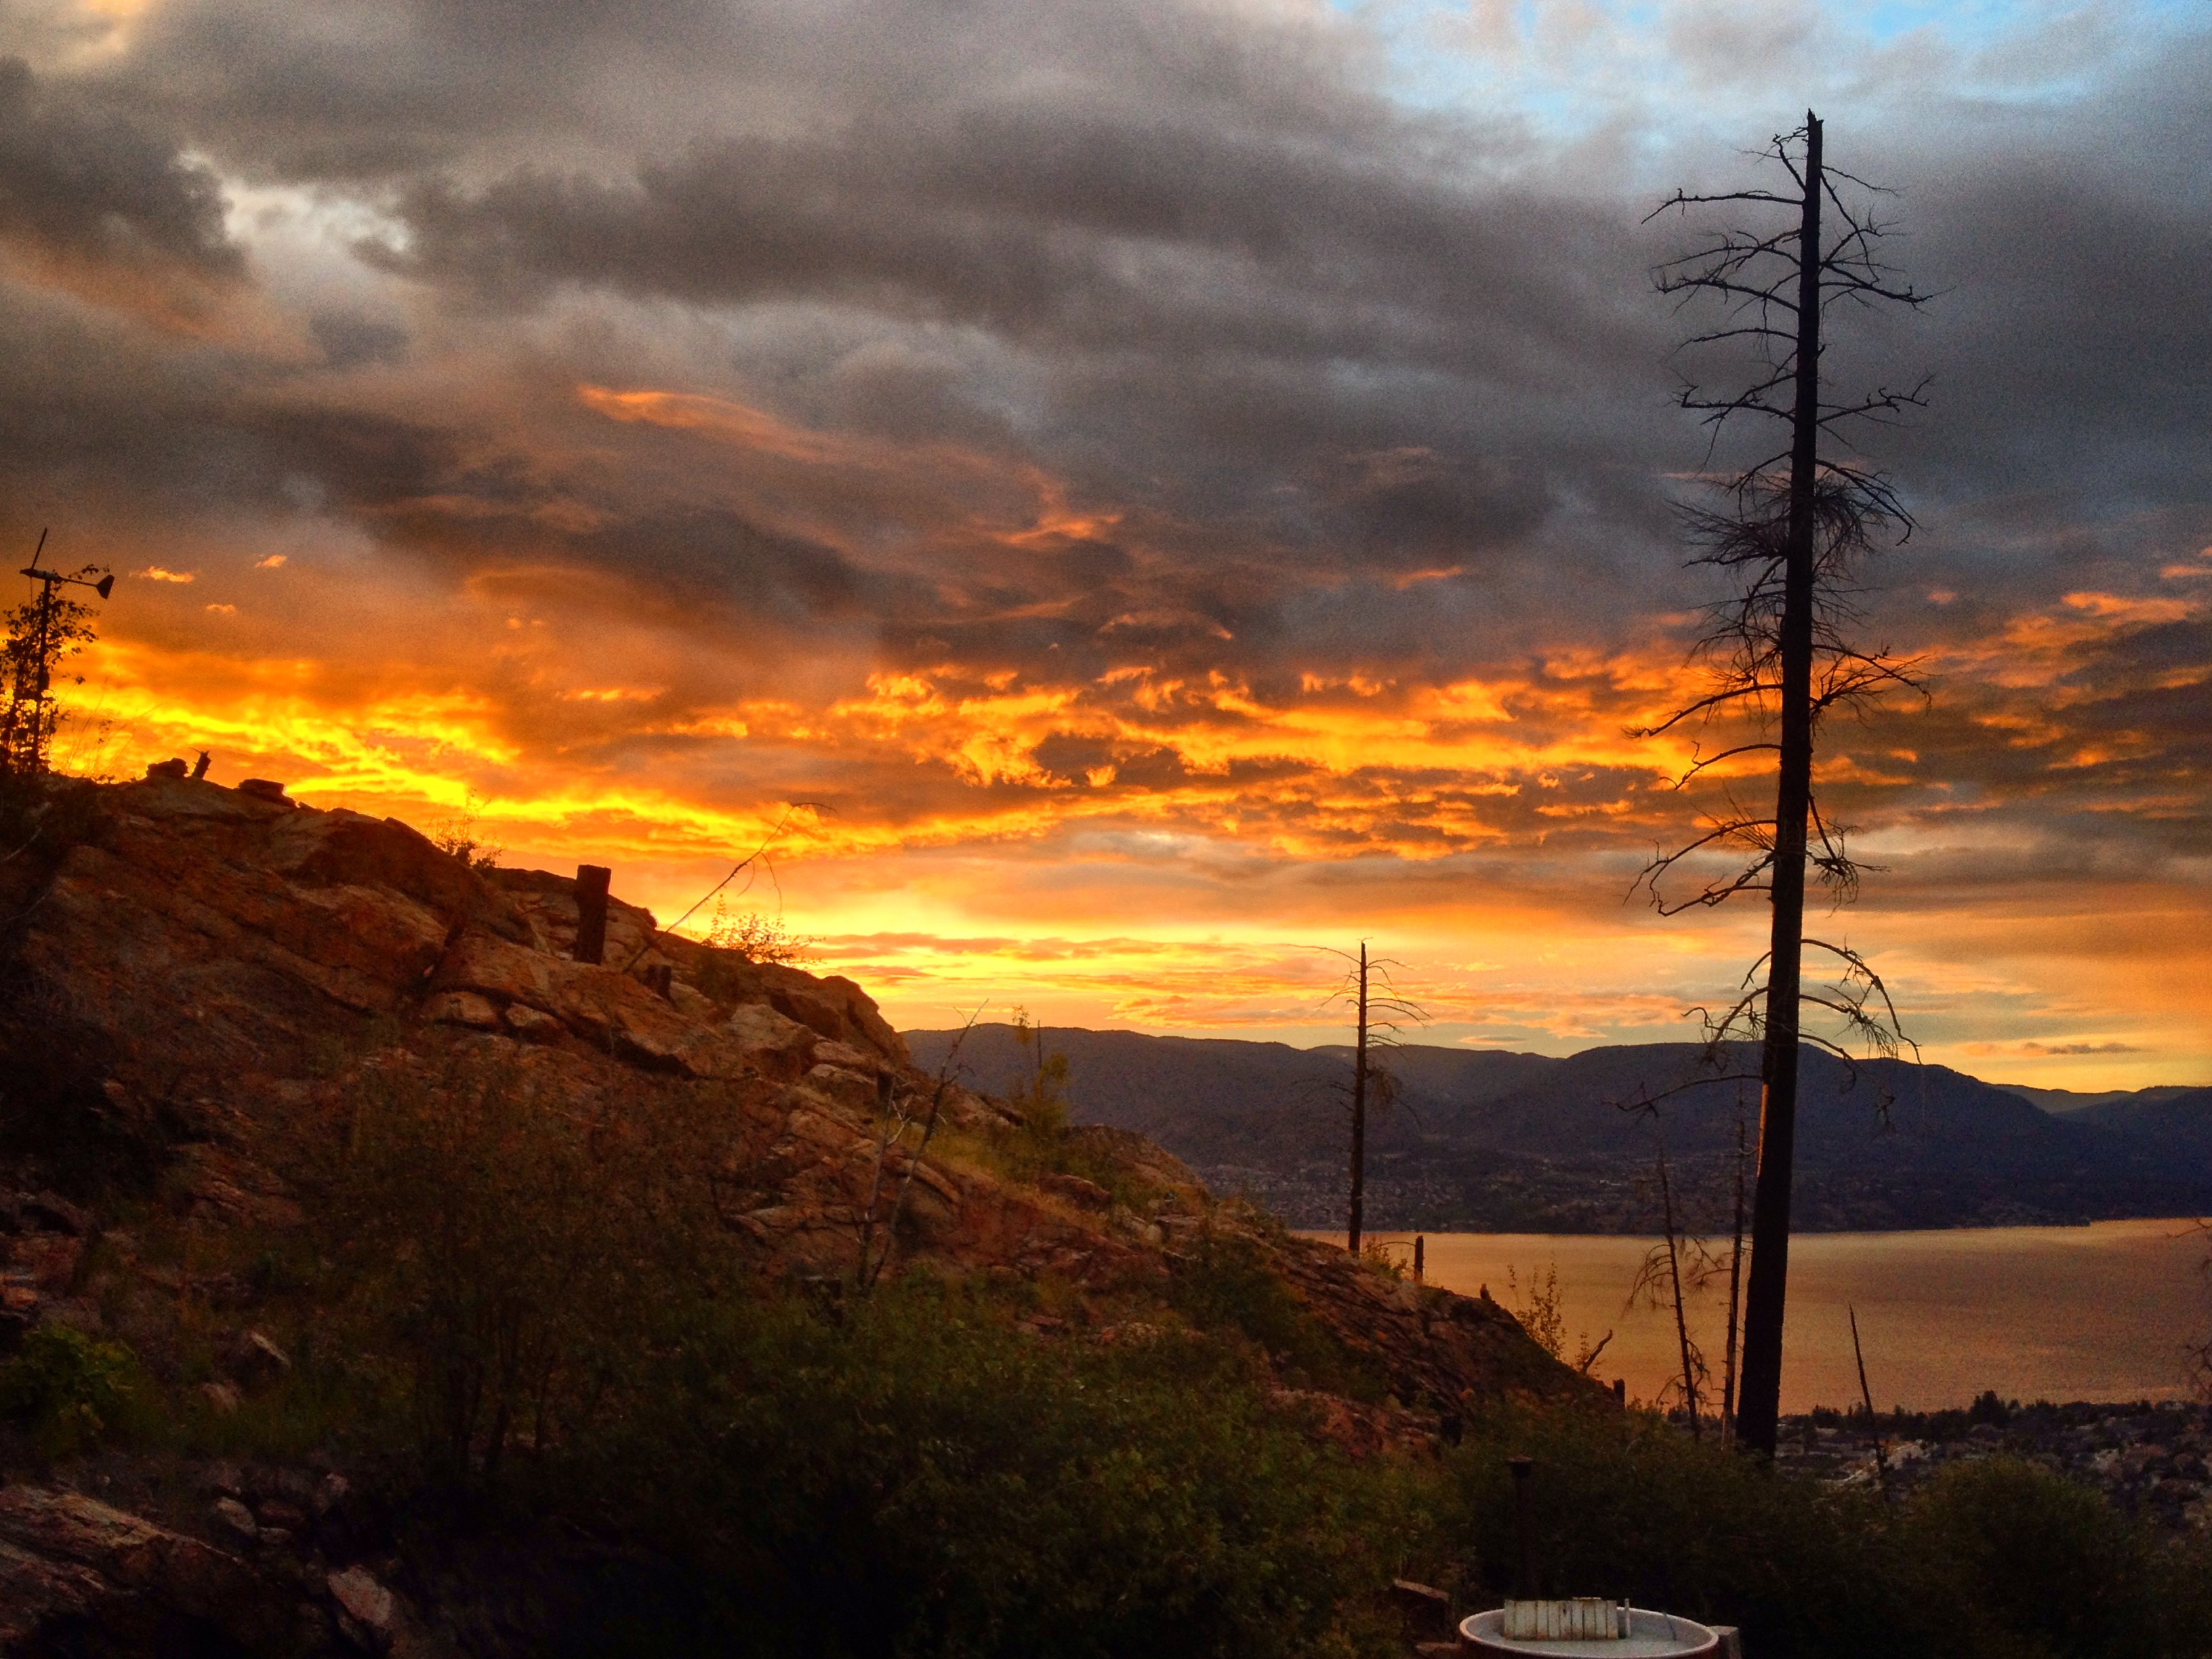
[(1314, 350), (91, 185)]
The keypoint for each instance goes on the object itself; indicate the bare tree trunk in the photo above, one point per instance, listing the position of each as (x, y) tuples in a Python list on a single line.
[(1881, 1460), (1735, 1283), (1674, 1276), (1359, 1112), (1761, 1402)]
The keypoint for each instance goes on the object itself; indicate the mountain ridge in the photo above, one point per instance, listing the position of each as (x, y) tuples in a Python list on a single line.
[(1497, 1140)]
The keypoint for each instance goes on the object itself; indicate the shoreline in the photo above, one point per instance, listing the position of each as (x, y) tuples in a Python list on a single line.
[(1407, 1234)]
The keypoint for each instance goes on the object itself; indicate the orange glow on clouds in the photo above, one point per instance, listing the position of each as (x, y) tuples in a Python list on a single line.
[(1150, 844)]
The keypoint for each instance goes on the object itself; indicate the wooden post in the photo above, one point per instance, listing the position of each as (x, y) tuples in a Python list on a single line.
[(1524, 1523), (592, 880), (1421, 1257)]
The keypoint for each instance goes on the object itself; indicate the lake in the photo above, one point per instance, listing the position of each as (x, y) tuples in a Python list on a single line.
[(2101, 1312)]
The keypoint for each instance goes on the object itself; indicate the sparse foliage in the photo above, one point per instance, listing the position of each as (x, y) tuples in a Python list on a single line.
[(1677, 1266), (760, 938), (1041, 1097), (1394, 1256), (1536, 1305), (1792, 531), (1539, 1305), (457, 837), (68, 1387)]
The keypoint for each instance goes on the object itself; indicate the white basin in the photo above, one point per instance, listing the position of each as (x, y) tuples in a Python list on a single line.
[(1650, 1636)]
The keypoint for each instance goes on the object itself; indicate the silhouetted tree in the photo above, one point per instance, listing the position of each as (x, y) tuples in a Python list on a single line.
[(1792, 530), (42, 635), (1378, 1013)]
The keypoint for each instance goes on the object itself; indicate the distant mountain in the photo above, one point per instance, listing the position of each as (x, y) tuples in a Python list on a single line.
[(2059, 1102), (2180, 1119), (1497, 1141)]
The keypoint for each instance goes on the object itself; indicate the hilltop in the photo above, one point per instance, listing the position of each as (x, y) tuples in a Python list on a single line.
[(1495, 1141), (322, 1161)]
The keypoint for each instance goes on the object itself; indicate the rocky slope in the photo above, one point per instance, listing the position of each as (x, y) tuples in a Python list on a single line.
[(196, 977)]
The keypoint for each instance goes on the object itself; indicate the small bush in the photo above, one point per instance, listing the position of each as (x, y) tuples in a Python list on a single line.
[(759, 938), (69, 1389)]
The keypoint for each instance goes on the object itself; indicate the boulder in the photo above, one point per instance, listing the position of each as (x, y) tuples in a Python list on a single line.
[(365, 1602), (257, 1361), (461, 1008), (1084, 1194), (238, 1518), (846, 1055), (496, 968), (693, 1003), (867, 1019), (775, 1042), (817, 1012), (853, 1091), (526, 1021)]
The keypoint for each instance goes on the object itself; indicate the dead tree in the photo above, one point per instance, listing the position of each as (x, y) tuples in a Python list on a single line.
[(1379, 1012), (1881, 1460), (1792, 530), (1679, 1265)]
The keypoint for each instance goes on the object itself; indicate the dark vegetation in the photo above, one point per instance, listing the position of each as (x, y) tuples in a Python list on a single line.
[(585, 1424)]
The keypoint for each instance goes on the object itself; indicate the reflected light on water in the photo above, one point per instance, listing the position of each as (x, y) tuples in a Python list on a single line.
[(2103, 1312)]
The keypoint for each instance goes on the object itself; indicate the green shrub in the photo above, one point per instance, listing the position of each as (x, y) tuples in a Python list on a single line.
[(506, 1246), (69, 1388), (912, 1477), (1226, 1283), (2018, 1563)]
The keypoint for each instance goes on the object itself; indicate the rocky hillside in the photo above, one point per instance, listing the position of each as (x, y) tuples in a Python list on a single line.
[(201, 983)]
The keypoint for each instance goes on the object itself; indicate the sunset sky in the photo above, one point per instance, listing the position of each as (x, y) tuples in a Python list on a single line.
[(1130, 492)]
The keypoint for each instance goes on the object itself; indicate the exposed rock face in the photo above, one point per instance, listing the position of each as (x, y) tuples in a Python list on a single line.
[(220, 946), (220, 966), (65, 1558)]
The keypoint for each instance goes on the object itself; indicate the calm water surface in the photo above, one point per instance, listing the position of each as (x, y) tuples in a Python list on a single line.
[(2102, 1312)]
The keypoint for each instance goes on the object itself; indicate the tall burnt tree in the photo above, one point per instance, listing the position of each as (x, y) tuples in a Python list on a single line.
[(1378, 1011), (1792, 530)]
